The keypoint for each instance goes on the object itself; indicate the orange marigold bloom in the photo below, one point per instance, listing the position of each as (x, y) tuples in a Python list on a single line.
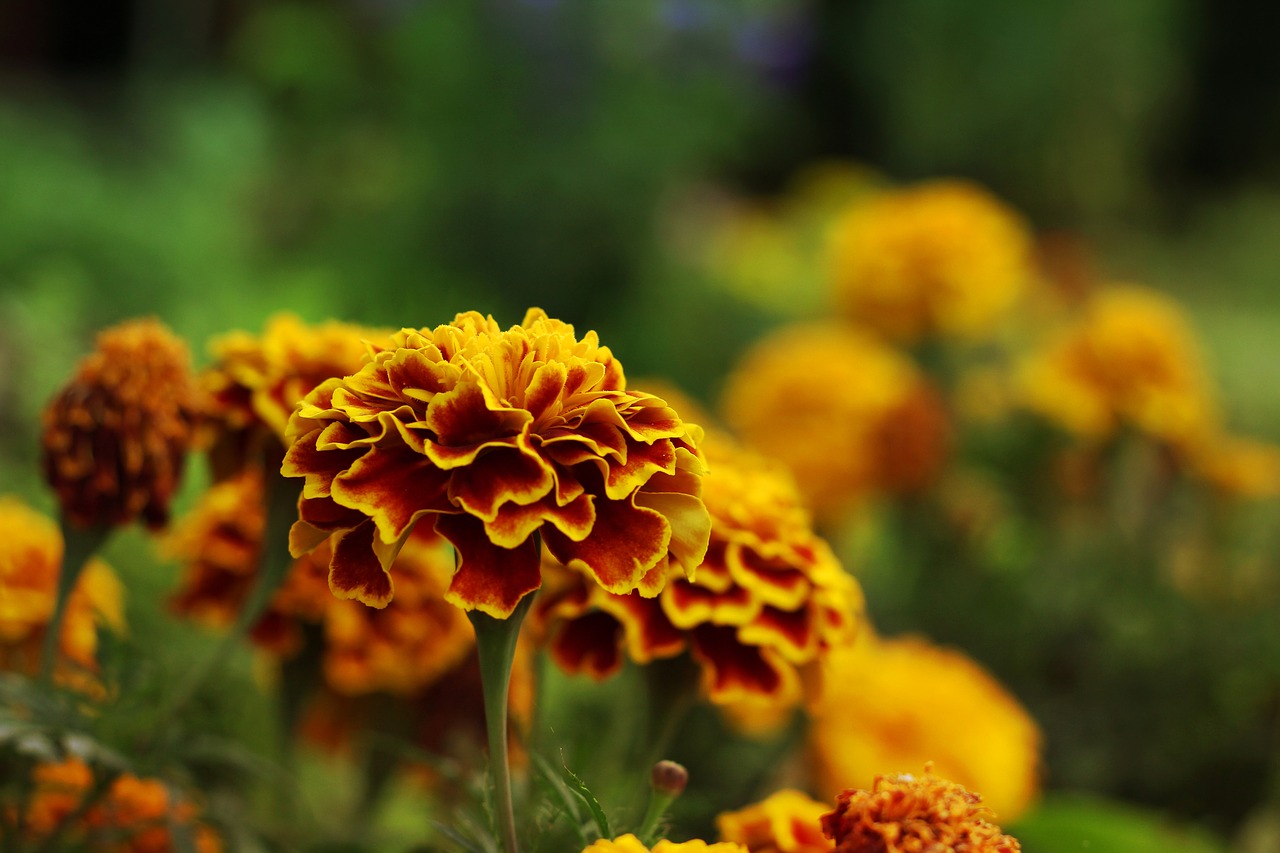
[(494, 436), (397, 650), (906, 814), (904, 702), (30, 556), (115, 439), (786, 822), (133, 817), (630, 844), (856, 420), (769, 598), (256, 382), (940, 258)]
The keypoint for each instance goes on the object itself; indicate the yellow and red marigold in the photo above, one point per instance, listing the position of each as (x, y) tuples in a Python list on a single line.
[(941, 258), (787, 821), (849, 416), (768, 600), (134, 816), (116, 437), (631, 844), (903, 702), (909, 814), (494, 436), (30, 556)]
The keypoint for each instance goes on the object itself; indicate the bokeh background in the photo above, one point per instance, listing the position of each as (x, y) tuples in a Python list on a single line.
[(392, 162)]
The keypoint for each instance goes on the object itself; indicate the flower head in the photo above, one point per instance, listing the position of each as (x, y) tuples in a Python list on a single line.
[(30, 556), (904, 702), (908, 814), (787, 821), (115, 438), (849, 416), (942, 258), (631, 844), (494, 436), (768, 600)]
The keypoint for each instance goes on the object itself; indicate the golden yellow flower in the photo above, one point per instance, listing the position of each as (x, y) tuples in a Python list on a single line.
[(1130, 360), (788, 821), (768, 600), (399, 649), (1239, 467), (30, 556), (849, 416), (631, 844), (942, 258), (115, 438), (494, 436), (903, 702), (256, 382), (133, 817), (908, 814)]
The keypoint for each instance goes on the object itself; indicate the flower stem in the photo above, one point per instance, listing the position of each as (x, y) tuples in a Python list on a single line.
[(79, 544), (496, 648)]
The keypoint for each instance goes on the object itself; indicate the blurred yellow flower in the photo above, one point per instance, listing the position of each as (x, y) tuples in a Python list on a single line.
[(788, 821), (891, 703), (1239, 467), (943, 258), (631, 844), (849, 416), (30, 556), (909, 814)]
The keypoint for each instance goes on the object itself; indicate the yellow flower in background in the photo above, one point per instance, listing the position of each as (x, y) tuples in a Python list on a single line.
[(1238, 467), (903, 702), (768, 600), (1130, 360), (116, 437), (848, 415), (944, 258), (788, 821), (631, 844), (30, 556), (494, 436), (910, 814)]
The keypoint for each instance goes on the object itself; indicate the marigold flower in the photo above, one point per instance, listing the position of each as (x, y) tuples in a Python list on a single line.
[(769, 598), (494, 436), (906, 814), (788, 821), (630, 844), (133, 817), (396, 650), (256, 382), (1239, 467), (856, 420), (30, 556), (115, 438), (1130, 360), (941, 258), (904, 702)]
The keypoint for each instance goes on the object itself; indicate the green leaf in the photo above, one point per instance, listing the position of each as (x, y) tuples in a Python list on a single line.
[(580, 789), (1075, 822)]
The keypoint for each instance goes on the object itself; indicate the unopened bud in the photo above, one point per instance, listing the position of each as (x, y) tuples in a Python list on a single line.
[(669, 778)]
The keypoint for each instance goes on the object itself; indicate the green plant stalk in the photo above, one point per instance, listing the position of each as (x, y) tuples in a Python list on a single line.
[(496, 648), (79, 544), (659, 802)]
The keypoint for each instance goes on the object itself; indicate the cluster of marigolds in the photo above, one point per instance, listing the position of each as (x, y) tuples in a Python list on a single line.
[(442, 472)]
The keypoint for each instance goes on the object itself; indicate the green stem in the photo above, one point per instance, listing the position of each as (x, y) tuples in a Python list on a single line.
[(496, 648), (79, 544), (659, 802)]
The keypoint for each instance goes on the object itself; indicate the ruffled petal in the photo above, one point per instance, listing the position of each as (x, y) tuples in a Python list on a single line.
[(355, 571), (489, 579)]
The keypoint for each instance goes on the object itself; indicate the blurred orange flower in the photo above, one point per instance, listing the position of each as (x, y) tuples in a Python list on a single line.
[(941, 258), (30, 556), (116, 437), (787, 821), (904, 702), (494, 436), (906, 814)]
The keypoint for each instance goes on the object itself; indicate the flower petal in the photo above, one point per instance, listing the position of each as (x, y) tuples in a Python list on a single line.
[(355, 571), (393, 486), (489, 579), (626, 541)]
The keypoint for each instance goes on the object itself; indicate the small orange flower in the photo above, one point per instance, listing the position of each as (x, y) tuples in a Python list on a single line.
[(115, 439), (493, 436), (942, 258), (631, 844), (849, 416), (786, 822), (905, 814), (30, 556), (769, 598), (256, 382)]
